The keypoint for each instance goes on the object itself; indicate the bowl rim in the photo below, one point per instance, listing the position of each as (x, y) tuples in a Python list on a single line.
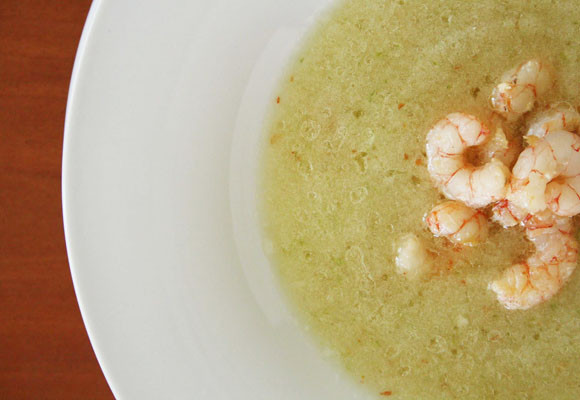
[(66, 167)]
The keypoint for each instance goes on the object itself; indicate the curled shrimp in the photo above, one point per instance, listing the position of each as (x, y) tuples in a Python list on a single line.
[(520, 88), (557, 117), (447, 143), (543, 274), (562, 195), (557, 154), (525, 285), (535, 167), (457, 222)]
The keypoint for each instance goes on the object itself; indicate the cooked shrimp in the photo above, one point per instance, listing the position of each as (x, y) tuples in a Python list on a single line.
[(543, 274), (556, 117), (447, 142), (458, 222), (520, 88), (563, 196), (557, 154), (412, 258), (535, 167), (523, 286)]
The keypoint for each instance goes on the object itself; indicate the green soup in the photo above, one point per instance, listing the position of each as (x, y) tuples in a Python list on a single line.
[(344, 177)]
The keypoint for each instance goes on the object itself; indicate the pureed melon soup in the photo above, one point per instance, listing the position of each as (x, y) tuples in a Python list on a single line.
[(344, 178)]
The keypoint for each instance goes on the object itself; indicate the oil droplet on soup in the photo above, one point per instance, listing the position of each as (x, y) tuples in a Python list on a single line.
[(344, 178)]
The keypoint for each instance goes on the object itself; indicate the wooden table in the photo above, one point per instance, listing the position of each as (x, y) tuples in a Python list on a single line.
[(44, 349)]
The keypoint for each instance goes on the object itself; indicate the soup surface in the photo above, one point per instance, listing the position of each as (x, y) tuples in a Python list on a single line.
[(344, 177)]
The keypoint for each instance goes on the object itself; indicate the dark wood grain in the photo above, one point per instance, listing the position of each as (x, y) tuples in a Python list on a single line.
[(44, 349)]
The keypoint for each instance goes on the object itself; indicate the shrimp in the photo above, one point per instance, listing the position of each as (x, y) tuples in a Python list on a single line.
[(525, 285), (535, 167), (458, 222), (556, 117), (562, 195), (412, 258), (520, 89), (542, 275), (447, 143), (557, 154)]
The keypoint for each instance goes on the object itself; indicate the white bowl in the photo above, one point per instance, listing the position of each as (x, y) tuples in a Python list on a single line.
[(164, 118)]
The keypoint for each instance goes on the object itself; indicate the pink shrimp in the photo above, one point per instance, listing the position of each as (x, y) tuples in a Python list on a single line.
[(555, 118), (528, 284), (447, 143), (520, 89), (563, 194), (457, 222), (543, 274), (557, 154), (535, 167)]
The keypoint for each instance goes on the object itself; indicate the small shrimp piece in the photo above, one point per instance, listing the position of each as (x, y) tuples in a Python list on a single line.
[(527, 284), (563, 196), (520, 89), (503, 143), (500, 147), (507, 214), (447, 143), (412, 258), (557, 117), (458, 223)]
